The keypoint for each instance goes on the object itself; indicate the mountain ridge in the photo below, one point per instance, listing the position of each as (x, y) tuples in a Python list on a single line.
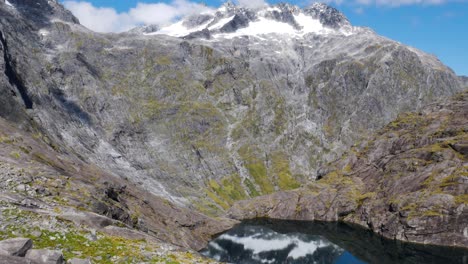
[(283, 18)]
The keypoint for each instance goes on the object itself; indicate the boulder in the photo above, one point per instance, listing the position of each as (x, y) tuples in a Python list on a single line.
[(15, 260), (45, 256), (461, 147), (79, 261), (15, 246)]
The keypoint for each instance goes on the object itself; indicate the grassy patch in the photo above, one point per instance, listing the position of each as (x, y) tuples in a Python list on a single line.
[(280, 120), (15, 155), (461, 199), (407, 120), (217, 199), (409, 207), (251, 187), (256, 168), (336, 178), (432, 213), (163, 60), (363, 197), (250, 123), (75, 242), (226, 192), (7, 140), (281, 169)]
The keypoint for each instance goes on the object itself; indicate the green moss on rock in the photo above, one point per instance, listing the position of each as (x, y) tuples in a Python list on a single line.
[(256, 168), (226, 192), (281, 169), (461, 199)]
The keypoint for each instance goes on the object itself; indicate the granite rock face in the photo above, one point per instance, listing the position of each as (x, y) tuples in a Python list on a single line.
[(408, 182)]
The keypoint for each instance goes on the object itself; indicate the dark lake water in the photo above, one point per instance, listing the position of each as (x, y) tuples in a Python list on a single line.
[(273, 241)]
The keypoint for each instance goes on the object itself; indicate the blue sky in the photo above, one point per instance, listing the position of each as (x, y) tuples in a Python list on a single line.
[(439, 27), (441, 30)]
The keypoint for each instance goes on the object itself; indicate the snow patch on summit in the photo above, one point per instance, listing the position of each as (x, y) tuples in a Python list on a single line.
[(261, 23), (262, 26), (308, 24), (220, 23), (178, 30)]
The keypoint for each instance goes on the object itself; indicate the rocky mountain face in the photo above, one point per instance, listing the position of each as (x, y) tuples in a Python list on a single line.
[(464, 80), (207, 122), (408, 182), (61, 202), (237, 103)]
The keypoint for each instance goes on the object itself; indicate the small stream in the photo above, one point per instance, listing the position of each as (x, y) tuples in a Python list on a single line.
[(277, 241)]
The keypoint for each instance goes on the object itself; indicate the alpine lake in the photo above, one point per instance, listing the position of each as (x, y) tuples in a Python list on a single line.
[(278, 241)]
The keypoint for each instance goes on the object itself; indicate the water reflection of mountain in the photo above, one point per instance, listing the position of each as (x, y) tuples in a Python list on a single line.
[(258, 244), (275, 241)]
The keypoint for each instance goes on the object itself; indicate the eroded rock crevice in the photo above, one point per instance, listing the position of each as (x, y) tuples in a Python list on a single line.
[(13, 77)]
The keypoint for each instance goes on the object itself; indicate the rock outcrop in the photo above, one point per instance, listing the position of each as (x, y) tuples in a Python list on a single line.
[(12, 249), (464, 81), (408, 182), (79, 261), (15, 246), (45, 256)]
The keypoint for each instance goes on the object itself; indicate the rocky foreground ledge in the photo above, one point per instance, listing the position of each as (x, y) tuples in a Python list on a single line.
[(408, 182), (64, 204)]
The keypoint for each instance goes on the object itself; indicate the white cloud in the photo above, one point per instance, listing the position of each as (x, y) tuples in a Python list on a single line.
[(161, 13), (98, 19), (252, 3), (108, 20)]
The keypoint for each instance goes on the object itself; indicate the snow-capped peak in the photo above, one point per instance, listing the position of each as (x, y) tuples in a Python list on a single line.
[(231, 21)]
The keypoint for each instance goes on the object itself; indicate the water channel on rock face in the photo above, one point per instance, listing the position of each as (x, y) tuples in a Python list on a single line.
[(276, 241)]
